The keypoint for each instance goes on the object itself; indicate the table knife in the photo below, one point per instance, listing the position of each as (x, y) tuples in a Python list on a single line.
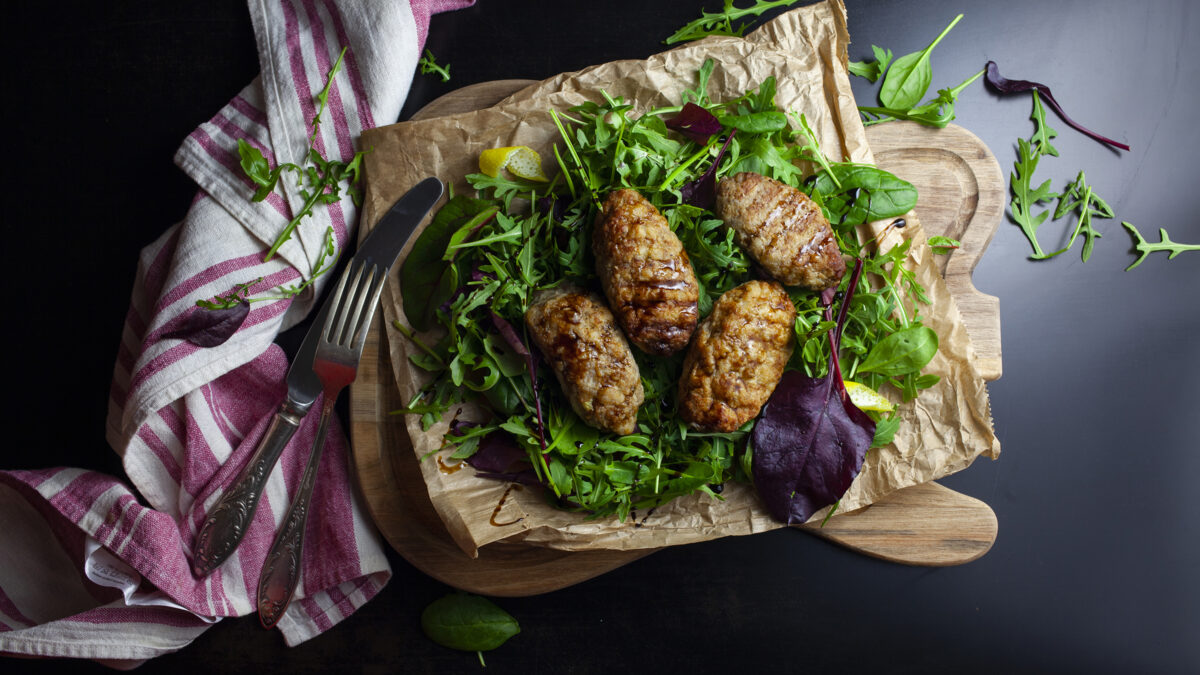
[(227, 521)]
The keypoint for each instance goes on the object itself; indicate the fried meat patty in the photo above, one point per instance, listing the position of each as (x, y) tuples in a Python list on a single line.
[(737, 357), (782, 229), (645, 273), (580, 339)]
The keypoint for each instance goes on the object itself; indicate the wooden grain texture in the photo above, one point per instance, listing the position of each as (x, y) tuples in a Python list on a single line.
[(961, 195)]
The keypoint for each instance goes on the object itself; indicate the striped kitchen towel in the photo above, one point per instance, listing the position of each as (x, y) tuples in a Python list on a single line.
[(93, 568)]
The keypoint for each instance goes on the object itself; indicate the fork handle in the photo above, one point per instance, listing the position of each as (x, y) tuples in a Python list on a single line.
[(281, 569), (226, 523)]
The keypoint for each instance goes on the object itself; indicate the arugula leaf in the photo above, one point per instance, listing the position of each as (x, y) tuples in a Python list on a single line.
[(872, 70), (429, 66), (942, 245), (1081, 199), (1025, 197), (321, 182), (908, 78), (721, 23), (1145, 248), (699, 95)]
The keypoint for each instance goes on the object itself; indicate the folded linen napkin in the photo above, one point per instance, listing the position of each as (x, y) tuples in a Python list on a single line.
[(88, 570)]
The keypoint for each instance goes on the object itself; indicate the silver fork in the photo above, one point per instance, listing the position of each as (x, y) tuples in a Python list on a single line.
[(336, 365)]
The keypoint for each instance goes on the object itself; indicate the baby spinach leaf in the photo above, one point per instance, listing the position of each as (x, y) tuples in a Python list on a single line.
[(427, 279), (908, 79), (937, 112), (871, 193), (468, 622), (903, 352)]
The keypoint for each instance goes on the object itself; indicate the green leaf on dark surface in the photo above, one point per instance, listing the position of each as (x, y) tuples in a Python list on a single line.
[(468, 622), (937, 112), (909, 76), (872, 70), (721, 23), (1145, 248), (429, 66)]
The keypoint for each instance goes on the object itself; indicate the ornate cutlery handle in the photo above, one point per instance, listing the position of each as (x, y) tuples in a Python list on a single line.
[(281, 569), (226, 523)]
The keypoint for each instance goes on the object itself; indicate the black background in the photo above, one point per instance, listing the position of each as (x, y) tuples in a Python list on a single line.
[(1097, 564)]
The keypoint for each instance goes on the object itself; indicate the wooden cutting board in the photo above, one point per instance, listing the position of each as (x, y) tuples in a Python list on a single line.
[(962, 195)]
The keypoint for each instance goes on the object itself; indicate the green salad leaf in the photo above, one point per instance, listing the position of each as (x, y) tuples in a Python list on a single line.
[(468, 622), (721, 23)]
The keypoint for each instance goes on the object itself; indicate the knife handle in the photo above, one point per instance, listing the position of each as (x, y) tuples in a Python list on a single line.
[(226, 523), (281, 570)]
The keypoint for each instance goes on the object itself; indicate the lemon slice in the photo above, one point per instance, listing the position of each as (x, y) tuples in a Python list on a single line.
[(520, 160), (866, 398)]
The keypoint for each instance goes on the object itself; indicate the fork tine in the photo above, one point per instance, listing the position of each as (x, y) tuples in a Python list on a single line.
[(364, 320), (335, 305), (343, 303), (362, 288)]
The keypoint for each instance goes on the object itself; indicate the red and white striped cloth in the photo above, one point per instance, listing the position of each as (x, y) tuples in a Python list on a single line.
[(86, 568)]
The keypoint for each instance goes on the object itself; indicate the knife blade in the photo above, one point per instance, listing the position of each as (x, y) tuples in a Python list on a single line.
[(226, 523)]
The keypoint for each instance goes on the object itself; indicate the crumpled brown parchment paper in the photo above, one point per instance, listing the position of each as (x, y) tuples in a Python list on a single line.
[(943, 431)]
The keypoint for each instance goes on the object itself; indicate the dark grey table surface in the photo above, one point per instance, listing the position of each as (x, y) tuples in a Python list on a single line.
[(1097, 564)]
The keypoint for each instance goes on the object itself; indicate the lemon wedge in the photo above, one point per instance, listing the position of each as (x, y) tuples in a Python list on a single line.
[(866, 398), (520, 160)]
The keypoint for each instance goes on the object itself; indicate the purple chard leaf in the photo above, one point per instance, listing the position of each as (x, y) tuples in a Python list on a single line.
[(810, 441), (809, 445), (514, 341), (500, 457), (1006, 86), (695, 122), (211, 327), (702, 192)]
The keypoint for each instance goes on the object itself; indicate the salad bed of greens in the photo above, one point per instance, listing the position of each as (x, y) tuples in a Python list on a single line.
[(472, 273)]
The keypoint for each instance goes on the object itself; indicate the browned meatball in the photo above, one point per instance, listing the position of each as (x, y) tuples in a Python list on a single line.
[(737, 357), (782, 229), (580, 339), (645, 273)]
